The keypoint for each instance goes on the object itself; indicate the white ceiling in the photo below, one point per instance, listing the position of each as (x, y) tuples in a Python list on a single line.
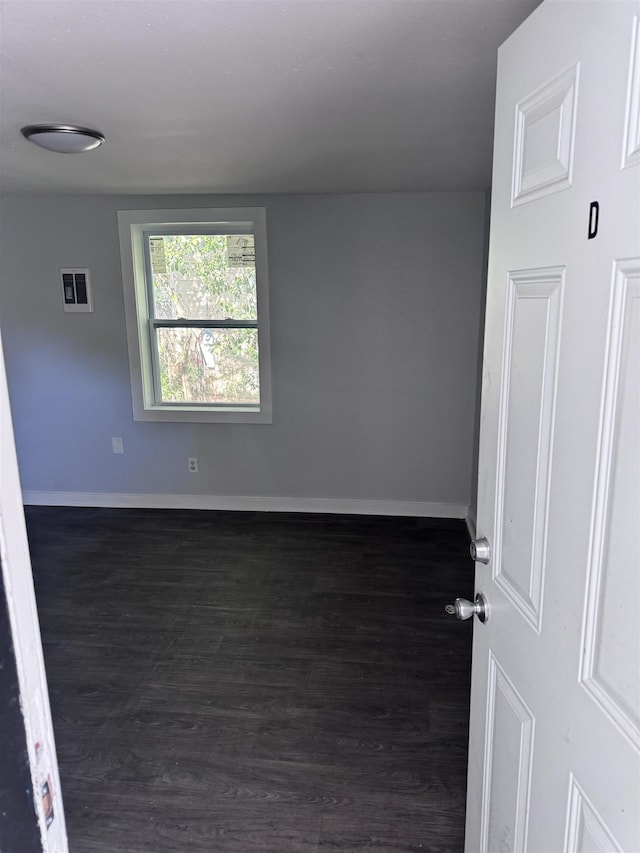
[(282, 96)]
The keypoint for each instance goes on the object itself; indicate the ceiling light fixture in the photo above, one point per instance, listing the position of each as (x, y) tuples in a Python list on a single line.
[(64, 138)]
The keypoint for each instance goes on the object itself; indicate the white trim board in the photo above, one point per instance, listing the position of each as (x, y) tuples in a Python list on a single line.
[(342, 506), (471, 526)]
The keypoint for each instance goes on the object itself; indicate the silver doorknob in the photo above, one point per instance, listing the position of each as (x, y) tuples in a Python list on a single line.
[(462, 608), (480, 550)]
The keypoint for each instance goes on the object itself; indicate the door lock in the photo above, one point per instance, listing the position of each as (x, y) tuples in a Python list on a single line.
[(480, 550), (462, 608)]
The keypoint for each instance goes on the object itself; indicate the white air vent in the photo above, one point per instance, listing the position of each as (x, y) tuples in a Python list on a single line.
[(76, 289)]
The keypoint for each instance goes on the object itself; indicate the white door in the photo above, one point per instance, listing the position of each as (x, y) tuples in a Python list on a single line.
[(555, 704), (23, 617)]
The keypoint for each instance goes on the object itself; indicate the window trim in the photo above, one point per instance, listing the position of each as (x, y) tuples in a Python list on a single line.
[(132, 225)]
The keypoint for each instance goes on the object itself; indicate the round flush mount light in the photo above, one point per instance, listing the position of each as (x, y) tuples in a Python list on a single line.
[(64, 138)]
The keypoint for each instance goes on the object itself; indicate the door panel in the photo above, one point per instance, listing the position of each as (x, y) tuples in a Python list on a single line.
[(528, 387), (631, 147), (545, 129), (510, 729), (586, 830), (611, 665), (554, 760)]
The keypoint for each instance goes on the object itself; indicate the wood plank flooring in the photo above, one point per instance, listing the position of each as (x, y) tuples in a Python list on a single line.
[(244, 682)]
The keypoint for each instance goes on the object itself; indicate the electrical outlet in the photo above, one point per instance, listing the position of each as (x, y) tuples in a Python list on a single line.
[(117, 445), (192, 463)]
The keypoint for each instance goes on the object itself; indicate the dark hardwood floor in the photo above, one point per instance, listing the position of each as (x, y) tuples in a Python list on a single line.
[(243, 682)]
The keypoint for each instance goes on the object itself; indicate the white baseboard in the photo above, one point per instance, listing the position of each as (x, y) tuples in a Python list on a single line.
[(421, 509)]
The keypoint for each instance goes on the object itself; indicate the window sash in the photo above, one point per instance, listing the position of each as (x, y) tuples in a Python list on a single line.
[(154, 325), (218, 230)]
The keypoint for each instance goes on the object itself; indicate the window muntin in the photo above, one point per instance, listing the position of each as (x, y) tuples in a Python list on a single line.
[(196, 301)]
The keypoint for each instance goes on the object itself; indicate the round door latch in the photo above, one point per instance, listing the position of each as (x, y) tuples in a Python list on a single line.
[(462, 608)]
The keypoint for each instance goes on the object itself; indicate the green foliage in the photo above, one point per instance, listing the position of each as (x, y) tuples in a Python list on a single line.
[(206, 365)]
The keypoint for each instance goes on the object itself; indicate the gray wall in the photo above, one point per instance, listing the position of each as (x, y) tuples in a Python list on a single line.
[(375, 307), (473, 505)]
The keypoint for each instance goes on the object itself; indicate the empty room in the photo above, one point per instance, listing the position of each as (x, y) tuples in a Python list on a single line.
[(319, 425)]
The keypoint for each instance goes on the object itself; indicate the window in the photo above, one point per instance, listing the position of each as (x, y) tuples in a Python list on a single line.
[(196, 302)]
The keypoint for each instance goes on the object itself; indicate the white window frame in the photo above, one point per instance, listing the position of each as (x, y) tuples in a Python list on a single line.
[(132, 224)]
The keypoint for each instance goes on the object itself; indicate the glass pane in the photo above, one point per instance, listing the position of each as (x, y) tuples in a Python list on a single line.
[(203, 276), (209, 365)]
